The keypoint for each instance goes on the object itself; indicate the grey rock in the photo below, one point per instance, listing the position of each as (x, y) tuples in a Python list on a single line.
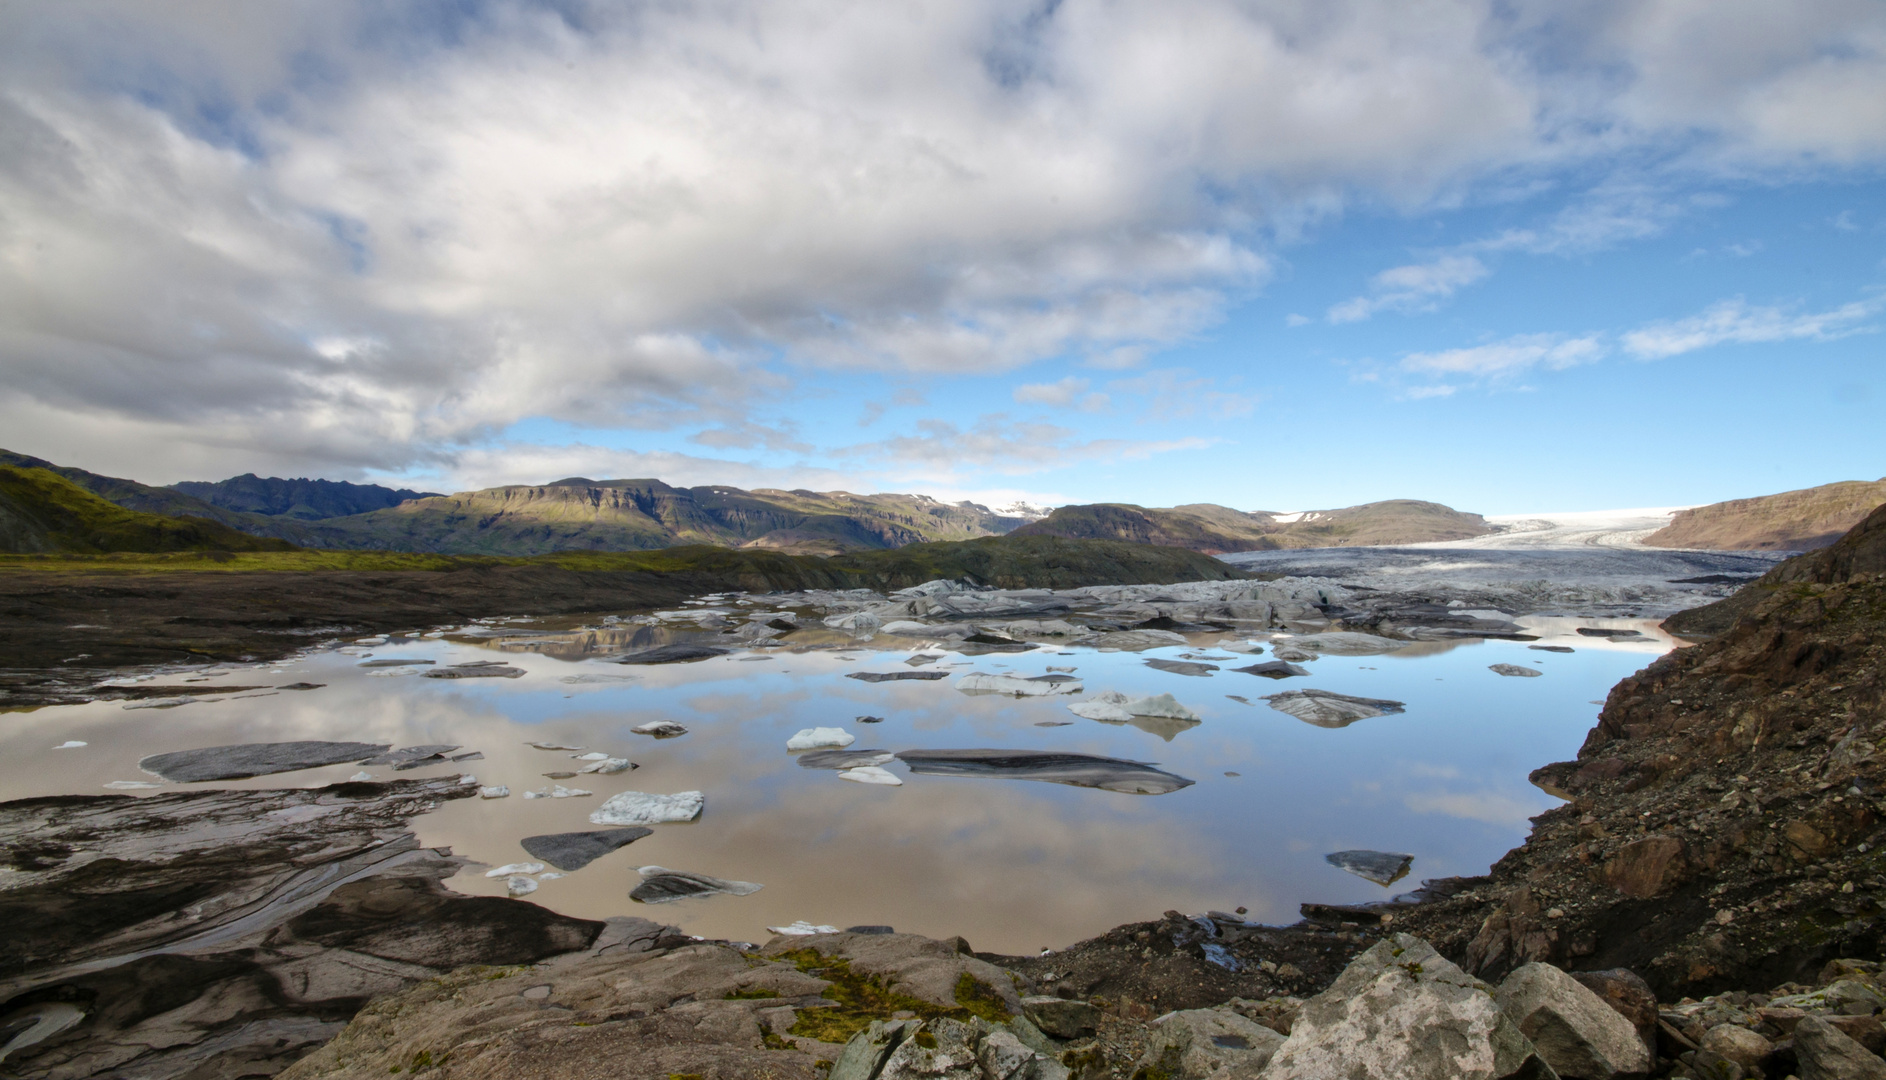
[(952, 1055), (411, 757), (1194, 1044), (1060, 1017), (1079, 770), (1382, 867), (1571, 1027), (660, 729), (661, 885), (898, 676), (1515, 670), (1627, 993), (1273, 669), (575, 850), (677, 653), (1330, 710), (254, 759), (1183, 667), (864, 1056), (1403, 1010), (1730, 1042), (1004, 1056), (480, 669), (1826, 1053)]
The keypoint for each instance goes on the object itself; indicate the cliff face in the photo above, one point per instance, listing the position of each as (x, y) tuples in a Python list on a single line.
[(1725, 817), (1791, 521), (303, 499), (42, 512)]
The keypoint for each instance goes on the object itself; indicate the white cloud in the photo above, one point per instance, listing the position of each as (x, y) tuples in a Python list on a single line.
[(1509, 357), (942, 453), (1412, 288), (1178, 394), (1067, 392), (1735, 322), (332, 235)]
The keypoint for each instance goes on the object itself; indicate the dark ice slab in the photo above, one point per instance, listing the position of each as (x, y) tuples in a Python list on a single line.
[(680, 652), (1079, 770), (842, 759), (664, 885), (1274, 669), (575, 850), (898, 676), (254, 759), (1382, 867), (1183, 667)]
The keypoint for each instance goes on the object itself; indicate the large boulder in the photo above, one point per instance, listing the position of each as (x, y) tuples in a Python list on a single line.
[(1826, 1054), (1580, 1036), (1199, 1043), (1060, 1017), (1627, 992), (1401, 1011)]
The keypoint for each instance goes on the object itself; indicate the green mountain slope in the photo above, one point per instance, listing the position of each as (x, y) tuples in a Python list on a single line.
[(578, 514), (43, 512), (1213, 529), (146, 499), (1791, 521), (303, 499)]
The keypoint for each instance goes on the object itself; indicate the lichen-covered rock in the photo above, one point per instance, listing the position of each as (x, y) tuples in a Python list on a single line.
[(1197, 1043), (1572, 1028), (1060, 1017), (940, 1049), (1401, 1011)]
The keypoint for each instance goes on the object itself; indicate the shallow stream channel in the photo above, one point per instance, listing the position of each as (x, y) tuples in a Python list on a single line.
[(1240, 809)]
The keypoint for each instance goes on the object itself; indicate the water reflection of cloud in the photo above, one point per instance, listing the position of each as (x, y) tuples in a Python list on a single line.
[(1491, 807)]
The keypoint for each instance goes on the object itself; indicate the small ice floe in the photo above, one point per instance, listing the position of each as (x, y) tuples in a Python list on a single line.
[(495, 791), (70, 744), (897, 676), (1382, 867), (609, 766), (641, 808), (1273, 669), (551, 876), (131, 785), (843, 759), (977, 682), (575, 850), (1063, 670), (377, 639), (160, 703), (1325, 709), (467, 779), (552, 746), (801, 928), (577, 680), (661, 885), (557, 791), (1551, 648), (871, 774), (1515, 669), (394, 672), (477, 669), (818, 737), (660, 729), (1078, 770), (520, 885), (361, 777), (1114, 707), (593, 755), (1341, 643), (921, 659), (515, 868), (560, 774), (678, 653), (1182, 667), (395, 662)]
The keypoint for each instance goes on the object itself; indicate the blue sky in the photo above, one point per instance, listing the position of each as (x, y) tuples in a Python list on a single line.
[(1516, 257)]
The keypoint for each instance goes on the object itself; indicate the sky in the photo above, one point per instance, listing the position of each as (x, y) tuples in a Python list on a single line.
[(1513, 256)]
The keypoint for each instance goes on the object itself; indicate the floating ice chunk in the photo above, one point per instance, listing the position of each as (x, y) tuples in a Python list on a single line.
[(477, 669), (520, 885), (1161, 705), (558, 791), (1114, 707), (660, 729), (131, 785), (1182, 667), (608, 766), (977, 682), (641, 808), (871, 774), (516, 868), (361, 777), (467, 778), (495, 791), (551, 876), (69, 744), (814, 738), (801, 928), (552, 746), (160, 703), (661, 885), (593, 755), (377, 639), (1052, 668), (1382, 867), (579, 679), (1344, 643), (1325, 709), (1505, 669)]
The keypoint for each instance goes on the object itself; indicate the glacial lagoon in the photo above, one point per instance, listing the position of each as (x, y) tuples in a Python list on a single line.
[(1013, 864)]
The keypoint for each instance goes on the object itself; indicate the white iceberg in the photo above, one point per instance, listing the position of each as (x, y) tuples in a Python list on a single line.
[(801, 928), (69, 744), (496, 791), (516, 868), (977, 682), (520, 885), (608, 766), (641, 808), (1115, 707), (871, 774), (814, 738)]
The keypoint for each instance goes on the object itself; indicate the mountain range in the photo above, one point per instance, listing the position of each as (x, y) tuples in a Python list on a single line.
[(1790, 521), (1217, 530)]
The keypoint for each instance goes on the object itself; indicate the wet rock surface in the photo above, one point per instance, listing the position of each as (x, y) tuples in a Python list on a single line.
[(1079, 770), (1381, 867), (1330, 710), (661, 885), (233, 931), (575, 850), (243, 760)]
